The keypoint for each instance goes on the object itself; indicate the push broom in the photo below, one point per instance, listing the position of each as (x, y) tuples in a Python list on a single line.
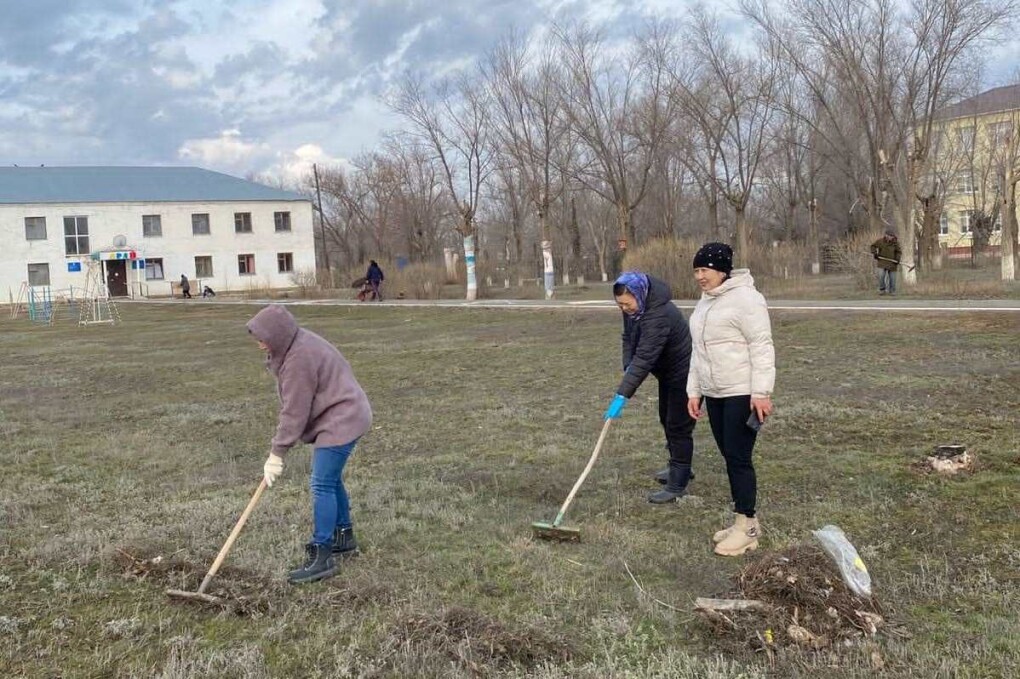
[(554, 531), (200, 595)]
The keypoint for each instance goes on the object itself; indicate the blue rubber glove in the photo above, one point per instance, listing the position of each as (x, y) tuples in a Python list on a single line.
[(615, 407)]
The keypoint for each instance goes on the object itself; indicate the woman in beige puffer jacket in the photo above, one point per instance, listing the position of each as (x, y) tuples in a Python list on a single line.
[(733, 371)]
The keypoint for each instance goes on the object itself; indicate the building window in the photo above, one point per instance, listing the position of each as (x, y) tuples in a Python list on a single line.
[(203, 267), (35, 228), (246, 265), (999, 134), (282, 221), (38, 274), (944, 225), (242, 222), (200, 224), (965, 182), (285, 262), (997, 226), (76, 236), (153, 269), (965, 218), (152, 226), (965, 137)]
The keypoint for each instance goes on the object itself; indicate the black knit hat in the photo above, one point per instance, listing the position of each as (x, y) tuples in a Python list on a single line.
[(718, 256)]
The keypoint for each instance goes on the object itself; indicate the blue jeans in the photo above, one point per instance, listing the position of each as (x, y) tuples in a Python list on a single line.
[(886, 281), (331, 508)]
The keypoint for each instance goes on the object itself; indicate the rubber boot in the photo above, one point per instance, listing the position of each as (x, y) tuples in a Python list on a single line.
[(344, 544), (676, 485), (743, 537), (663, 476), (722, 534), (318, 565)]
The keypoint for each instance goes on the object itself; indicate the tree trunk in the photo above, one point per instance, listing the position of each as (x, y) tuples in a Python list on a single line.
[(548, 265), (1008, 238), (816, 264), (742, 256), (623, 221), (713, 220), (931, 253)]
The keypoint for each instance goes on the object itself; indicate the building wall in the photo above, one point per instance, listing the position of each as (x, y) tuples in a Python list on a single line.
[(177, 246), (981, 162)]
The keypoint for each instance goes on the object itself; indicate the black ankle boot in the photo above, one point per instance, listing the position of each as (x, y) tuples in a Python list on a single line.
[(344, 544), (318, 565), (676, 485)]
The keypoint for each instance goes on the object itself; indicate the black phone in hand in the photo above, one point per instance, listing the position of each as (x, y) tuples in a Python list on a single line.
[(753, 422)]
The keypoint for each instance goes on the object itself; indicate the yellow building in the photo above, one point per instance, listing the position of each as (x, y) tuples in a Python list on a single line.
[(978, 137)]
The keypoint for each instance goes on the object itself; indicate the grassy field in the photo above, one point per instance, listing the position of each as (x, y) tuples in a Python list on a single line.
[(129, 452)]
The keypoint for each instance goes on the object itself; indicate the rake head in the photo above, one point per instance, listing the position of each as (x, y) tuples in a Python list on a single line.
[(194, 596), (547, 531)]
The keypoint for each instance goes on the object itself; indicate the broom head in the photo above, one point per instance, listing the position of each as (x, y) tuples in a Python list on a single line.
[(548, 531)]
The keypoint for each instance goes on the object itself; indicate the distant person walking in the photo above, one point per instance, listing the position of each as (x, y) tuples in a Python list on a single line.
[(375, 277), (887, 252), (733, 371), (185, 287), (321, 403)]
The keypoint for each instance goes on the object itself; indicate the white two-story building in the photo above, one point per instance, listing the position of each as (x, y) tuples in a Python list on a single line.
[(145, 226)]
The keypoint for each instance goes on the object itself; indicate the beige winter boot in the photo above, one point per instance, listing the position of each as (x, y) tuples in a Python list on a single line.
[(742, 538), (724, 533)]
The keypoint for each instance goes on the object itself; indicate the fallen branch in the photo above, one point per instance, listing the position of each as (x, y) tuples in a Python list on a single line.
[(704, 604)]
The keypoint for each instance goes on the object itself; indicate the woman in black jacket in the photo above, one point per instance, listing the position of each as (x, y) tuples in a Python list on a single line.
[(656, 340)]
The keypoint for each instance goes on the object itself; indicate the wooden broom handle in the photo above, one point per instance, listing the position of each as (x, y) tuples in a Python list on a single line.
[(233, 536), (584, 474)]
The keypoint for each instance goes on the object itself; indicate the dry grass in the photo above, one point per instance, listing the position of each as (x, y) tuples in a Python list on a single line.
[(122, 445)]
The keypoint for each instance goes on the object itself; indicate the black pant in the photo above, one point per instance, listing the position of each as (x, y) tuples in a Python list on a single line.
[(728, 417), (677, 423), (187, 293)]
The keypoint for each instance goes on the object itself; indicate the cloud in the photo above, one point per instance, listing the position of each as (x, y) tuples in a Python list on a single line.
[(175, 81), (228, 151)]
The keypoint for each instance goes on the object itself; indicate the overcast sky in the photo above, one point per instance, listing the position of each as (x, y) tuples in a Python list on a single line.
[(250, 85)]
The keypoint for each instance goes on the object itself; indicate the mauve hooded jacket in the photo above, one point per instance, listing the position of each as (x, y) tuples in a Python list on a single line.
[(320, 401)]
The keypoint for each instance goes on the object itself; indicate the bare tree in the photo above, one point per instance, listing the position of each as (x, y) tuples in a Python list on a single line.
[(891, 69), (453, 121), (528, 123), (1006, 159), (741, 116), (620, 112)]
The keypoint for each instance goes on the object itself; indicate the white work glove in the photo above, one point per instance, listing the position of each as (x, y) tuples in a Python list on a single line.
[(272, 469)]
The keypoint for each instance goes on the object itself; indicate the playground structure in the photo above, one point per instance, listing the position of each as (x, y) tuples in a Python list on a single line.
[(90, 305)]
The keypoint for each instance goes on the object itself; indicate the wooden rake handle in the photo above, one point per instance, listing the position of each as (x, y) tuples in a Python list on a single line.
[(584, 474), (233, 536)]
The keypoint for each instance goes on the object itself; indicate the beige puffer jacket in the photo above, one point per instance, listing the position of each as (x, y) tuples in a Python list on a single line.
[(732, 352)]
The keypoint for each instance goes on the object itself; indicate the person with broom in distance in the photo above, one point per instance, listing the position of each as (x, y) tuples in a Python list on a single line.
[(657, 341), (320, 403), (733, 371)]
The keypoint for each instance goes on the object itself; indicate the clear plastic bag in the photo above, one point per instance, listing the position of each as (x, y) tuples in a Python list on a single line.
[(851, 566)]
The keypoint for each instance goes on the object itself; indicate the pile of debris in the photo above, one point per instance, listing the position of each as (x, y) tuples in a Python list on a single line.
[(243, 593), (792, 598), (948, 460)]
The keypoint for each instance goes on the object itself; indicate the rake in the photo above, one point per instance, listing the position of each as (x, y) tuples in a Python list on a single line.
[(200, 595), (554, 531)]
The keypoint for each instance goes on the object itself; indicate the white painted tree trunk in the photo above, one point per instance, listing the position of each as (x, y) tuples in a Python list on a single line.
[(548, 268), (450, 258), (469, 262)]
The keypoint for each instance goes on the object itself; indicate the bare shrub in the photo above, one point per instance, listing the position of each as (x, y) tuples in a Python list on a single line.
[(669, 259)]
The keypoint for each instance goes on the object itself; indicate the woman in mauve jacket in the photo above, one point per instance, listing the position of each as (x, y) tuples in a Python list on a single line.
[(733, 371)]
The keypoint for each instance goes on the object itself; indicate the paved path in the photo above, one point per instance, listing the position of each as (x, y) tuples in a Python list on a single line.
[(993, 305)]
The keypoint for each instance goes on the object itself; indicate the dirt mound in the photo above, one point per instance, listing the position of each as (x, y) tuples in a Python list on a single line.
[(806, 605), (475, 640), (242, 592)]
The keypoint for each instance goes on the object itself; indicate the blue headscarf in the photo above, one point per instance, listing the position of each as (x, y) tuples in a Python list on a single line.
[(637, 284)]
